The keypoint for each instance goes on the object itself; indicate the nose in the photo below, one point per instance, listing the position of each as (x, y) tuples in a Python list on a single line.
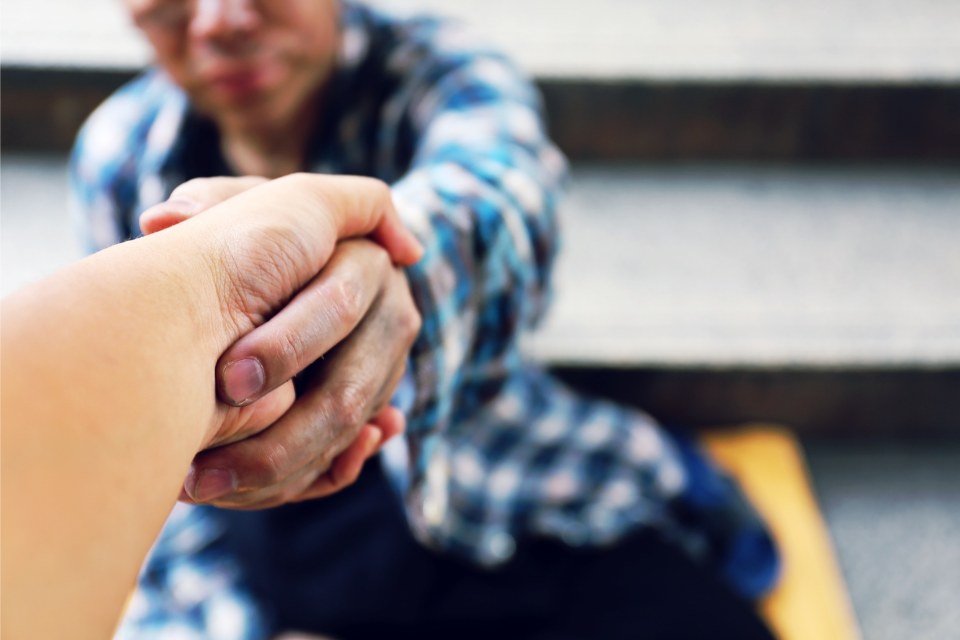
[(224, 21)]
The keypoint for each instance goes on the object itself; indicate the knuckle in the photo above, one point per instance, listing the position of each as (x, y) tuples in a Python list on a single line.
[(271, 468), (349, 302), (408, 327), (411, 322), (379, 190), (348, 406), (408, 321), (323, 460), (375, 185), (323, 453), (289, 350), (316, 187), (308, 184)]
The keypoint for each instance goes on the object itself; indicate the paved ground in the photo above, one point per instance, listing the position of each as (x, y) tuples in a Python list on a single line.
[(885, 40), (894, 512)]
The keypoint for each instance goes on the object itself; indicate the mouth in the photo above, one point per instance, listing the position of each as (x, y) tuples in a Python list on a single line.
[(241, 83), (236, 84)]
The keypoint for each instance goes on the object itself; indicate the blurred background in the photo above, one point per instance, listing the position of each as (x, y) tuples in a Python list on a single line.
[(763, 225)]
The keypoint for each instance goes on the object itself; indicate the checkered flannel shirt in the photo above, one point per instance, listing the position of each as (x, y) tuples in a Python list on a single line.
[(494, 448)]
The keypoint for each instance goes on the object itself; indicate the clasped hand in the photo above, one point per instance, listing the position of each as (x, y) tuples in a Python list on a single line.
[(346, 334)]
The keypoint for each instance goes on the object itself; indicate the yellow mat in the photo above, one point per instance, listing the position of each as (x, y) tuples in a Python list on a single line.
[(810, 602)]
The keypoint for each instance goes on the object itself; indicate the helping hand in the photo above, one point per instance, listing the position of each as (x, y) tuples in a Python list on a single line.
[(349, 330)]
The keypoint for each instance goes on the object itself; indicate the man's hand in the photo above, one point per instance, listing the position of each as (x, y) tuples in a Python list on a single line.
[(349, 331)]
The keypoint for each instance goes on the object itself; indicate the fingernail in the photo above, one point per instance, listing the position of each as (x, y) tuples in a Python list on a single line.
[(176, 205), (211, 484), (372, 443), (242, 380)]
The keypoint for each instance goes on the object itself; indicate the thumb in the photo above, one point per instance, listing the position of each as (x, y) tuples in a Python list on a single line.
[(166, 214)]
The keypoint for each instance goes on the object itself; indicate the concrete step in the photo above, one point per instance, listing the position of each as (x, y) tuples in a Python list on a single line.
[(655, 80), (844, 40), (736, 264), (820, 297)]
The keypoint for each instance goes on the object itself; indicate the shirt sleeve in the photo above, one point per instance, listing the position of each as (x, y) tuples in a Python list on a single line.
[(94, 211), (481, 194), (104, 171)]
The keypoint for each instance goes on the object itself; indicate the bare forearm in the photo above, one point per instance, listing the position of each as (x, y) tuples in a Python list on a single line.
[(106, 399), (108, 389)]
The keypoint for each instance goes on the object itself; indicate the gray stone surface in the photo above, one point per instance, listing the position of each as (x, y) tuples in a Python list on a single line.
[(893, 509), (732, 265), (885, 40), (36, 232)]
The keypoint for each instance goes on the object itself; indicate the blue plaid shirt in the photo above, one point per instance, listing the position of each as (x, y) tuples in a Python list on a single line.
[(494, 448)]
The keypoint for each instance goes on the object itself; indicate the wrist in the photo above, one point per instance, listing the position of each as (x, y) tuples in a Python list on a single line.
[(182, 282)]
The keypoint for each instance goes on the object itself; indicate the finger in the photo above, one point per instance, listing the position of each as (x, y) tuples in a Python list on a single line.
[(343, 472), (193, 197), (238, 423), (306, 439), (165, 215), (358, 205), (317, 319), (353, 384), (310, 484), (346, 468), (282, 493), (391, 422), (284, 231), (243, 422), (205, 193)]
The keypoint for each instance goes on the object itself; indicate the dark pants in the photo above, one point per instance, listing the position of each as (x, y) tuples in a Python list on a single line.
[(348, 566)]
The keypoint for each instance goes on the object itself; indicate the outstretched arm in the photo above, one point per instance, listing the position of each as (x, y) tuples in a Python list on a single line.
[(480, 193), (108, 386)]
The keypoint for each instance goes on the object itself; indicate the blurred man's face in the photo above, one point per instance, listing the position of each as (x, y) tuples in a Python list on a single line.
[(248, 64)]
